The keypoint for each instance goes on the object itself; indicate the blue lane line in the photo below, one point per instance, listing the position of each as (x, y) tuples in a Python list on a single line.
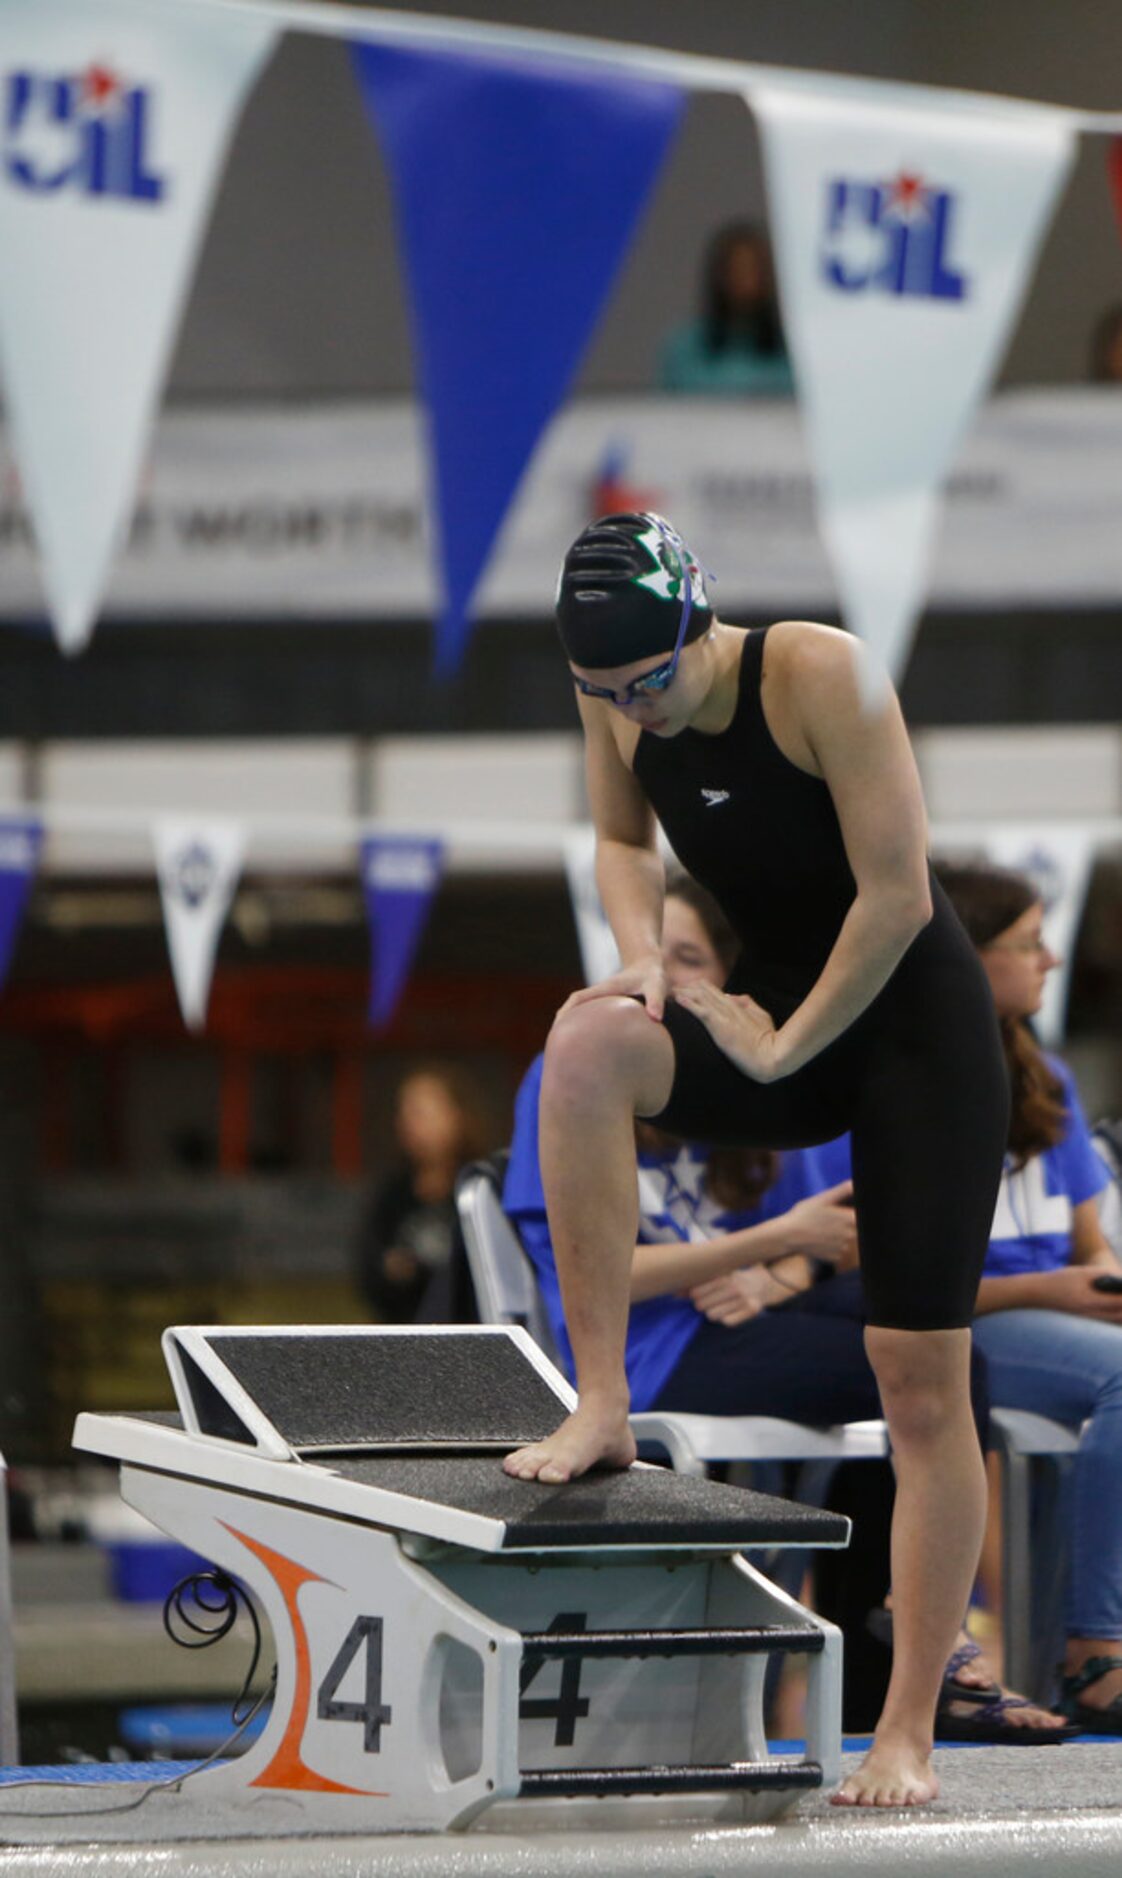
[(96, 1773)]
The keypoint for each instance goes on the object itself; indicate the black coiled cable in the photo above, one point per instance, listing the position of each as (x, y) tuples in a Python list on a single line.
[(205, 1604), (220, 1614)]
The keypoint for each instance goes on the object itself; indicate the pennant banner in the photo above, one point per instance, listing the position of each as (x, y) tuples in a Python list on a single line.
[(905, 233), (517, 191), (21, 838), (598, 950), (198, 864), (399, 878), (114, 122)]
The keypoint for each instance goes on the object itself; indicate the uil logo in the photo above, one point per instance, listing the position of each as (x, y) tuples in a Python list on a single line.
[(192, 875), (393, 869), (892, 238), (88, 134)]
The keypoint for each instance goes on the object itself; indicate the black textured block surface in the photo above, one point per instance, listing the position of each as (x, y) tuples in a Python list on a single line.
[(640, 1506), (451, 1390)]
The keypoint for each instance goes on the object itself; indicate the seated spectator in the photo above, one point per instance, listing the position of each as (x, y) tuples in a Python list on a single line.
[(736, 346), (726, 1318), (1106, 348), (411, 1263), (1051, 1336)]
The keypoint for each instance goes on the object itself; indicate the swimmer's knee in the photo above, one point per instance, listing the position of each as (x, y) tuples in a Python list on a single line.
[(605, 1038), (923, 1376), (929, 1355), (595, 1028)]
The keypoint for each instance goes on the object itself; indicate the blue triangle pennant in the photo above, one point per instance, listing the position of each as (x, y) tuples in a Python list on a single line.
[(20, 840), (518, 188), (400, 874)]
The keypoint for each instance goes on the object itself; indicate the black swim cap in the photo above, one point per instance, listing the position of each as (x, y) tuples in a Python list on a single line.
[(621, 592)]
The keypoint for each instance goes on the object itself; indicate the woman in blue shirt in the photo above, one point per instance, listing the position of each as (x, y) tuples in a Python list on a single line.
[(1051, 1335)]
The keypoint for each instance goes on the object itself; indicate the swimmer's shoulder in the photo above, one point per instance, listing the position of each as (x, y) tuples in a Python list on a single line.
[(803, 663), (797, 647)]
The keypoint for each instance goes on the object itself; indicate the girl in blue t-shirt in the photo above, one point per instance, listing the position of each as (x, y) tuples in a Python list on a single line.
[(1051, 1336)]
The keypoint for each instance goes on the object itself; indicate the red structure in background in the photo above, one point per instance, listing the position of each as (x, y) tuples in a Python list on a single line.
[(1114, 172), (276, 1011)]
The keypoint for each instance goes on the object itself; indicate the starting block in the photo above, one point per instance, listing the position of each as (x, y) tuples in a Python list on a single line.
[(449, 1639)]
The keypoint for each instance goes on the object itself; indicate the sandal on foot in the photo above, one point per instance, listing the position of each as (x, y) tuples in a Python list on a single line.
[(986, 1693), (1090, 1720), (879, 1625), (990, 1723)]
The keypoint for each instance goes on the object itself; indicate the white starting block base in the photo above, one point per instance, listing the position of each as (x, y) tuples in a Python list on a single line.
[(478, 1676), (1004, 1812), (447, 1638)]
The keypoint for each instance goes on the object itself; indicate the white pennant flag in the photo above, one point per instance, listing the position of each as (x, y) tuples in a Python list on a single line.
[(905, 230), (114, 122), (198, 864), (599, 953)]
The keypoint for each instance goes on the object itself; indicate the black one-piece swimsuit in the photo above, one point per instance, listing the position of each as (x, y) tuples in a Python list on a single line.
[(919, 1079)]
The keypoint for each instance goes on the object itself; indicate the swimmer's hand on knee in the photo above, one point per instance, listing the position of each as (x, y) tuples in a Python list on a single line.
[(645, 980), (740, 1028)]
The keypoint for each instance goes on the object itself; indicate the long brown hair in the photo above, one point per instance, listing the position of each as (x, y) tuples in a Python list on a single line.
[(724, 323), (988, 900), (736, 1178)]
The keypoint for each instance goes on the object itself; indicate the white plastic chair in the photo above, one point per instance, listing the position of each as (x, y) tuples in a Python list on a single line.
[(1107, 1137), (1033, 1566), (506, 1285)]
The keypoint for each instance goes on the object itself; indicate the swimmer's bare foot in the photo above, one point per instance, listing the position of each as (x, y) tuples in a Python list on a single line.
[(895, 1772), (586, 1438)]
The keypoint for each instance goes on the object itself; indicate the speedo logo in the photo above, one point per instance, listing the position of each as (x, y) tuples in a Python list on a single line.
[(711, 797)]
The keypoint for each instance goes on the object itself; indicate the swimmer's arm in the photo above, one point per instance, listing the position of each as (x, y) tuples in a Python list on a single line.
[(629, 870), (864, 757)]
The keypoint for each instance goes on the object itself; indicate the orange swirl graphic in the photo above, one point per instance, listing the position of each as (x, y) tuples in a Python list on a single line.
[(287, 1767)]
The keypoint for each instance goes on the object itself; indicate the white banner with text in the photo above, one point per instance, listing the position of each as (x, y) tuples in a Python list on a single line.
[(312, 511)]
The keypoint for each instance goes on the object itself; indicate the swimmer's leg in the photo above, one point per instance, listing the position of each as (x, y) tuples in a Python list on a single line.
[(605, 1063), (923, 1377)]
